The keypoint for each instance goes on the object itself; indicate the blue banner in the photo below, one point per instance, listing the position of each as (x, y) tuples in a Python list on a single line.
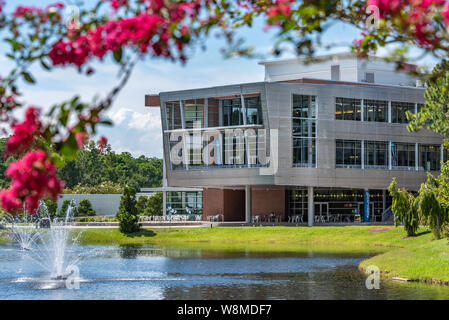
[(366, 206)]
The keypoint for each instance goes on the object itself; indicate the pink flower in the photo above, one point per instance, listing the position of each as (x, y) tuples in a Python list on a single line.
[(81, 139), (24, 132), (33, 178)]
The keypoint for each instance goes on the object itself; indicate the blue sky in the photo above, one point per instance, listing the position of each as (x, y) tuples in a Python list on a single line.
[(137, 129)]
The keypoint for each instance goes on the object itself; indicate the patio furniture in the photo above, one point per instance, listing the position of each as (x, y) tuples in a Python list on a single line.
[(256, 219)]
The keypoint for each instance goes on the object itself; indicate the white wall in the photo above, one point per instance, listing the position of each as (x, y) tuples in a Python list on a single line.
[(103, 204), (352, 69)]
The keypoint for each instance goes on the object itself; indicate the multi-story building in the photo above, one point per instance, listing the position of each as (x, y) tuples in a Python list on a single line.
[(311, 143)]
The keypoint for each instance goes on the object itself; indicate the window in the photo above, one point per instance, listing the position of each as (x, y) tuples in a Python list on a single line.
[(376, 154), (193, 112), (347, 109), (399, 109), (348, 153), (429, 157), (233, 112), (173, 113), (304, 154), (369, 77), (304, 131), (253, 110), (335, 73), (403, 155), (183, 202), (375, 110), (304, 106)]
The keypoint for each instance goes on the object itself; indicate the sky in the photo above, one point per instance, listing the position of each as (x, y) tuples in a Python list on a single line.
[(137, 129)]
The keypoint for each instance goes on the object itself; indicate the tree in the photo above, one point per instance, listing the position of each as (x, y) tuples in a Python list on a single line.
[(405, 209), (141, 204), (154, 205), (85, 208), (430, 206), (52, 207), (434, 114), (127, 213)]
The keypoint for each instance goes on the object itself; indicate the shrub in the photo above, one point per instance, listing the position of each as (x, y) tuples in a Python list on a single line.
[(85, 208), (154, 205), (127, 213)]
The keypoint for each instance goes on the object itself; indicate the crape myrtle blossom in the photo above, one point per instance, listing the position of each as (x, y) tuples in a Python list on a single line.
[(153, 31), (33, 178), (24, 133)]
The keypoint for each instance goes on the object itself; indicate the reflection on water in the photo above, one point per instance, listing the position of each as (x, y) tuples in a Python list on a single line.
[(150, 272)]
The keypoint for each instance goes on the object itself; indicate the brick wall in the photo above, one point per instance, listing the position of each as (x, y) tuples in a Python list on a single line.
[(230, 203), (266, 201)]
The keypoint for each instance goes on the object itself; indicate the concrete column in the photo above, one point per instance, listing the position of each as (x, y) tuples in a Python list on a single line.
[(220, 113), (182, 111), (248, 199), (242, 100), (416, 157), (362, 108), (363, 154), (164, 203), (206, 113), (384, 200), (389, 111), (311, 207), (442, 152), (390, 156)]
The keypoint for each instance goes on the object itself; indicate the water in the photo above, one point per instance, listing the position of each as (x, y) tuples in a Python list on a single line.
[(151, 272), (47, 248)]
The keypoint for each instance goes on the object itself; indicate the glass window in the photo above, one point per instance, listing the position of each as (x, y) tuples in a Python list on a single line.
[(304, 154), (253, 110), (173, 115), (376, 154), (348, 153), (184, 202), (399, 109), (403, 154), (429, 157), (193, 111), (375, 110), (233, 112), (347, 109), (304, 131), (304, 106)]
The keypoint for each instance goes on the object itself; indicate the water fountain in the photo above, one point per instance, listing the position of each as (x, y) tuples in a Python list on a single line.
[(52, 249)]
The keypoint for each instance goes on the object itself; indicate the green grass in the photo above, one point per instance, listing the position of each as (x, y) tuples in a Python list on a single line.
[(417, 258)]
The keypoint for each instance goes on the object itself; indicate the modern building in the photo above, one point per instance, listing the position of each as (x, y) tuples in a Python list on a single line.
[(311, 143)]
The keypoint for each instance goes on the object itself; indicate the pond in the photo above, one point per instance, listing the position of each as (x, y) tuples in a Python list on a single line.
[(153, 272)]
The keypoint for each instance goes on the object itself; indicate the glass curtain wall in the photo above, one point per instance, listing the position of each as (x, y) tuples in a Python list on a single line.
[(304, 131)]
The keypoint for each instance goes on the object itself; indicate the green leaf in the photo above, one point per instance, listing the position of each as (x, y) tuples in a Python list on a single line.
[(118, 54), (28, 78)]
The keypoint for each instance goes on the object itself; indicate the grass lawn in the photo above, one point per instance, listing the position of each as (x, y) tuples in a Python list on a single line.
[(418, 258)]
